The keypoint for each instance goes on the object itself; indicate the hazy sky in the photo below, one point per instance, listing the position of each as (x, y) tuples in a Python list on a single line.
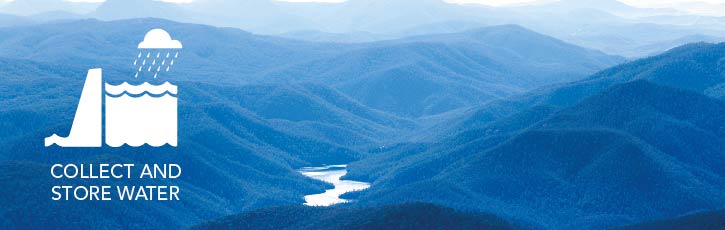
[(710, 7), (645, 3), (704, 7), (641, 3)]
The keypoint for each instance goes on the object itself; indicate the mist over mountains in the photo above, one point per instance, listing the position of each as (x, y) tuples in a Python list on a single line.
[(461, 116), (606, 25), (410, 77)]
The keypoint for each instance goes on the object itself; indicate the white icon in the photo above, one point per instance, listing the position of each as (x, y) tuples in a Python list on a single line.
[(159, 39), (86, 129), (135, 115), (158, 46), (143, 114)]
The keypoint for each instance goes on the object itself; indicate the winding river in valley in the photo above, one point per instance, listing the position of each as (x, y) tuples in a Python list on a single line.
[(331, 174)]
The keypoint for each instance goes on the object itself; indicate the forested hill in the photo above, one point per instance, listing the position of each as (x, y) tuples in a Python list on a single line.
[(402, 216)]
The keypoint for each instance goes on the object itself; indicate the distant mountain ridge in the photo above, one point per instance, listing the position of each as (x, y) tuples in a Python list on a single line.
[(610, 26), (247, 132), (448, 71), (411, 77), (32, 7), (491, 158), (482, 120)]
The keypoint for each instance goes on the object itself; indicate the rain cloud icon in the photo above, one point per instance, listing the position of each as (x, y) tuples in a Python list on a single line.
[(155, 44), (159, 39), (135, 115)]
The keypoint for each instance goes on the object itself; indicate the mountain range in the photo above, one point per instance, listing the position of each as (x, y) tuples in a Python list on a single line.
[(496, 127), (606, 25), (248, 122), (635, 142), (410, 77)]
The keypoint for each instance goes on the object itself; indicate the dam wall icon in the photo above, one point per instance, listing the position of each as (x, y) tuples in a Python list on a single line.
[(86, 129), (135, 115)]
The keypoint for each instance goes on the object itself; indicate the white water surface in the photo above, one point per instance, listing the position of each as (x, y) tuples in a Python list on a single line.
[(331, 174)]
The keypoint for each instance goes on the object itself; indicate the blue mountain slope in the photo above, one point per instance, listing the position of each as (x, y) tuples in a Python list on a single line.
[(476, 131), (229, 55), (635, 152), (407, 77), (433, 74), (660, 147), (320, 36), (242, 133), (252, 162), (12, 20), (205, 110), (318, 111), (695, 67), (56, 15), (700, 220), (249, 172), (509, 40), (127, 9), (402, 216)]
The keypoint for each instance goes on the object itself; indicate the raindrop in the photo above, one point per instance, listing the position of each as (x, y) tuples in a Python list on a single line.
[(139, 54), (172, 62), (148, 55), (136, 76), (134, 62), (153, 63), (167, 68), (149, 69), (177, 55), (158, 69), (163, 62), (158, 54), (167, 54), (139, 68), (156, 74)]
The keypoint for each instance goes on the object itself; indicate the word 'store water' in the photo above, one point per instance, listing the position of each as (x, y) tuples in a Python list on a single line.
[(142, 114)]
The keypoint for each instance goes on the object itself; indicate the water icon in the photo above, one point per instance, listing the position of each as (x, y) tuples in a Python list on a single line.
[(135, 115)]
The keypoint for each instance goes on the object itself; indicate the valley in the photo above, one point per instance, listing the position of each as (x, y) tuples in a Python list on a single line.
[(495, 127), (331, 174)]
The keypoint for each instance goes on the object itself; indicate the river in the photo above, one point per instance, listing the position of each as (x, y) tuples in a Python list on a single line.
[(331, 174)]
